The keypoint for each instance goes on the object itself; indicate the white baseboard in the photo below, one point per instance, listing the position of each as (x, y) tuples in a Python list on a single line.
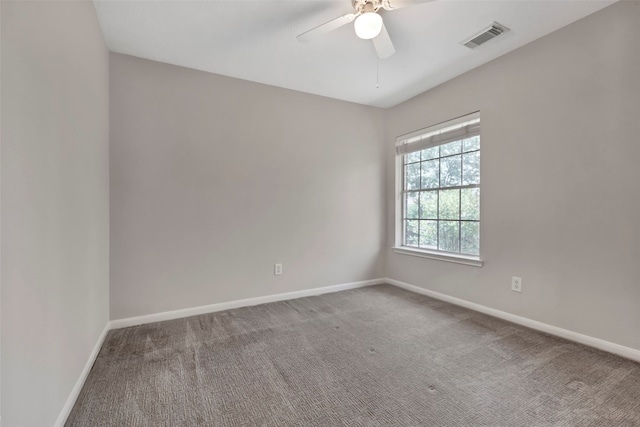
[(75, 392), (212, 308), (627, 352)]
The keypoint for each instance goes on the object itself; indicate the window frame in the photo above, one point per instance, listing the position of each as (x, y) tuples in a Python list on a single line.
[(399, 247)]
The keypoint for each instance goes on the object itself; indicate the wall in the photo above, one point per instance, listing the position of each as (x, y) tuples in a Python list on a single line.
[(560, 197), (54, 203), (214, 179)]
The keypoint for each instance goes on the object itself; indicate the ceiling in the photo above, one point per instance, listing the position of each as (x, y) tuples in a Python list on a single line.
[(256, 41)]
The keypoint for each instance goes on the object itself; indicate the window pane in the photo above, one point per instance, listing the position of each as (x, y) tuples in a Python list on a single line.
[(412, 205), (429, 234), (429, 204), (431, 153), (412, 157), (449, 204), (412, 177), (449, 238), (430, 171), (471, 168), (470, 243), (411, 233), (470, 203), (450, 171), (450, 148), (471, 144)]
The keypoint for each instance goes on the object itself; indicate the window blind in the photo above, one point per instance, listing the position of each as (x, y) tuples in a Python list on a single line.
[(454, 130)]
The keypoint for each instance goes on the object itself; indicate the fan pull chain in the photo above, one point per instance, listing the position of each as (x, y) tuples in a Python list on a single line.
[(378, 73)]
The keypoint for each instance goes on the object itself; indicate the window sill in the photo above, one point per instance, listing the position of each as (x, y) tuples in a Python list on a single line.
[(458, 259)]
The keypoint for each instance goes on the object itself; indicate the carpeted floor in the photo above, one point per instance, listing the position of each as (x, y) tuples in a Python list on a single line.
[(376, 356)]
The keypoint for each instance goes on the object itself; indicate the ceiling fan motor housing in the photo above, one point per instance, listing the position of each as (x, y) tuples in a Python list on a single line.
[(364, 6)]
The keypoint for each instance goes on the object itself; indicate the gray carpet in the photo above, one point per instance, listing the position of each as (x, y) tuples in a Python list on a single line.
[(376, 356)]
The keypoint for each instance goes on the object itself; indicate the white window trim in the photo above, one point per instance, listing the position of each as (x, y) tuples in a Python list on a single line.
[(475, 261), (440, 256)]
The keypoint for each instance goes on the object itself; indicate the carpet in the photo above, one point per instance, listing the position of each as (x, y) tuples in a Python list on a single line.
[(375, 356)]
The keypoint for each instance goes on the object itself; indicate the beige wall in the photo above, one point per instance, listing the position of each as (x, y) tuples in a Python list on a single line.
[(560, 174), (214, 179), (55, 209)]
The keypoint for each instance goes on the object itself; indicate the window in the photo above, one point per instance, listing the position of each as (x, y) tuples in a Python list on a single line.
[(439, 203)]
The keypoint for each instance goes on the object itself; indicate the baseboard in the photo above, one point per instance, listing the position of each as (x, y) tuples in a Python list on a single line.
[(212, 308), (620, 350), (75, 392)]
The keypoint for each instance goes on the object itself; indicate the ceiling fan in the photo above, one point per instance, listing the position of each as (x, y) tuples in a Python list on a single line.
[(368, 23)]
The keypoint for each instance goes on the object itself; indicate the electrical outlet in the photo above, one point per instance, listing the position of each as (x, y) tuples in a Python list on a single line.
[(277, 269), (516, 284)]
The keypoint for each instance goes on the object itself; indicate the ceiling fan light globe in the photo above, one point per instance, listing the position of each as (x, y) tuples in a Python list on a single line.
[(368, 25)]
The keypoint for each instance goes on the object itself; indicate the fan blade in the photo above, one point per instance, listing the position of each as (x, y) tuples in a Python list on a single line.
[(399, 4), (334, 24), (382, 43)]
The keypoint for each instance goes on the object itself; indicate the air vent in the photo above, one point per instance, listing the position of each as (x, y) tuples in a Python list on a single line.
[(493, 31)]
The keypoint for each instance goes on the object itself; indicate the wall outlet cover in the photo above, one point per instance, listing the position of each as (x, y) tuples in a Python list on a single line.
[(516, 284), (277, 269)]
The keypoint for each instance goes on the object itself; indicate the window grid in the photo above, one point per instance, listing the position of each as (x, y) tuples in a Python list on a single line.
[(420, 190)]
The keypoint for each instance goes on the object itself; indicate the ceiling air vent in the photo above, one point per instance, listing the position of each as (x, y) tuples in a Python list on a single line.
[(494, 30)]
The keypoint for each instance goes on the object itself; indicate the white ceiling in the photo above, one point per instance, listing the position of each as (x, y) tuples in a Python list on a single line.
[(256, 41)]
